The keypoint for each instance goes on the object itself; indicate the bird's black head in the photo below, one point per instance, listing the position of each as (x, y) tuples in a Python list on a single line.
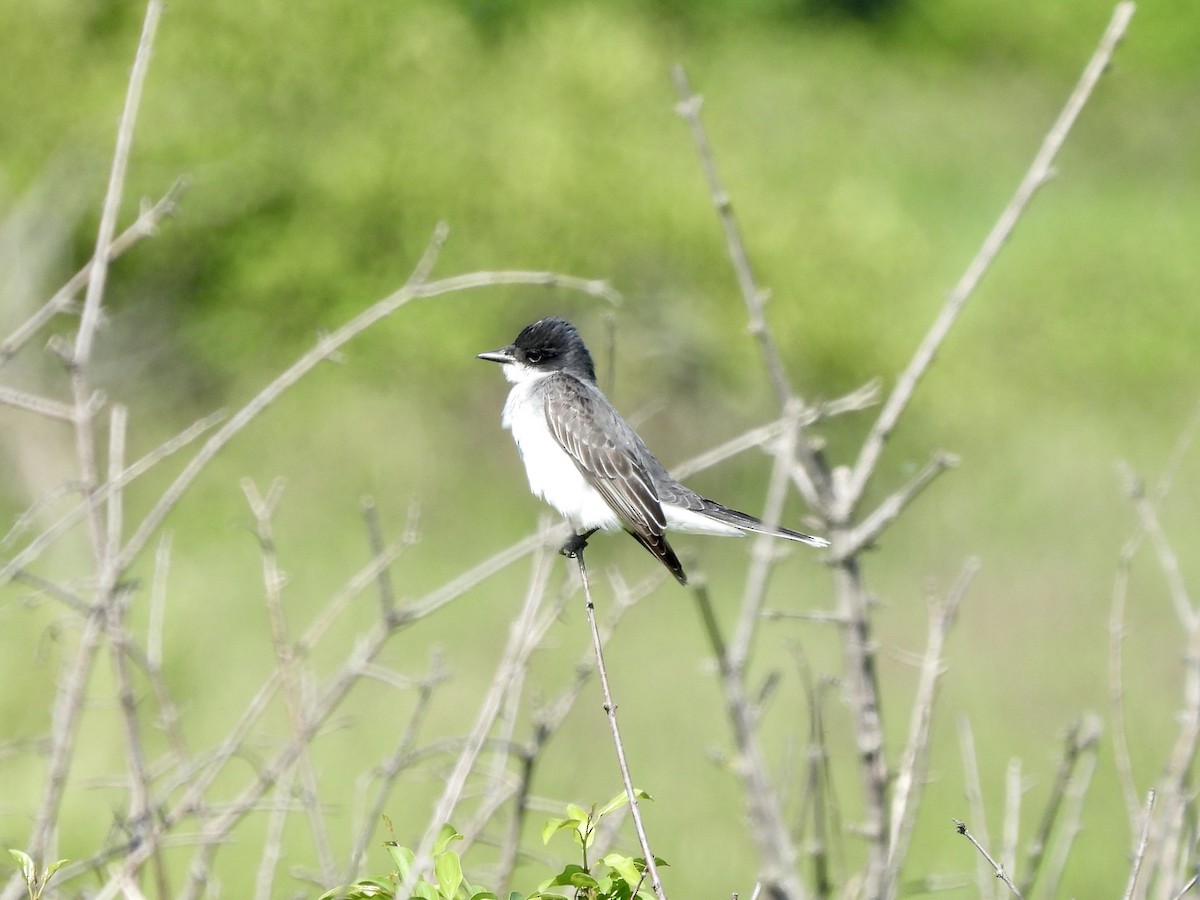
[(548, 345)]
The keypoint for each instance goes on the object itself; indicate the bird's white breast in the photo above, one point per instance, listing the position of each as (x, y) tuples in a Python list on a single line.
[(552, 473)]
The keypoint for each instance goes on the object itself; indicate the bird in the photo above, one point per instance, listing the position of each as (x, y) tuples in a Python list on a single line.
[(588, 463)]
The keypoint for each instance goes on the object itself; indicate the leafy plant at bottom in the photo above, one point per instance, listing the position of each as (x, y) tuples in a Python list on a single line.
[(612, 877)]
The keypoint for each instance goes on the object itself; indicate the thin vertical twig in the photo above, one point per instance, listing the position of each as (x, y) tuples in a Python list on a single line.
[(1072, 817), (90, 317), (1011, 827), (974, 792), (610, 708), (910, 775)]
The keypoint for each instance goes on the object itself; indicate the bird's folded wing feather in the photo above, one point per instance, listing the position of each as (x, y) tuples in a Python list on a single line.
[(603, 447)]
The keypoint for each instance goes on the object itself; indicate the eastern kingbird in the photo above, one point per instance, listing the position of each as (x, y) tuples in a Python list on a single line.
[(588, 463)]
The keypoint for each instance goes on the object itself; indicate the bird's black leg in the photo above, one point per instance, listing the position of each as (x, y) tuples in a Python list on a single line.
[(575, 543)]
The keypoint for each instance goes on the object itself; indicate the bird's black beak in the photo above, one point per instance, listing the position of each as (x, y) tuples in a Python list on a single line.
[(503, 355)]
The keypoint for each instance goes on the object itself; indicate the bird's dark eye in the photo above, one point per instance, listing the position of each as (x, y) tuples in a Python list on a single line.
[(535, 356)]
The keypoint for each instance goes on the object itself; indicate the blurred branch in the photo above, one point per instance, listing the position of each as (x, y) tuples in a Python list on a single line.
[(913, 768), (523, 638), (146, 225), (263, 509), (1038, 174), (761, 553), (1139, 853), (90, 317), (778, 867), (42, 406), (31, 551), (1168, 561), (974, 792), (388, 771), (814, 474), (1082, 739), (1072, 816), (73, 682), (864, 534), (754, 298), (1011, 827)]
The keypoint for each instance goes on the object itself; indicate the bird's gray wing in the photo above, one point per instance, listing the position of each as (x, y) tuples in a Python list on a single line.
[(604, 449), (607, 452)]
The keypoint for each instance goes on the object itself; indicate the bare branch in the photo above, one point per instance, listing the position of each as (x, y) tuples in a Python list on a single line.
[(523, 638), (770, 831), (1082, 738), (286, 663), (1038, 174), (90, 318), (754, 298), (611, 709), (1010, 828), (910, 775), (144, 226), (42, 406), (1168, 561), (865, 533), (961, 827), (974, 792), (1139, 853)]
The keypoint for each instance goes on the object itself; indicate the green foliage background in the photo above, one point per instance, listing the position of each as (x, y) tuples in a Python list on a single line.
[(867, 155)]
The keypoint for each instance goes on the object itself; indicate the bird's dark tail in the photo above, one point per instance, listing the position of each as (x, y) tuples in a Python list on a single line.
[(747, 522), (657, 544)]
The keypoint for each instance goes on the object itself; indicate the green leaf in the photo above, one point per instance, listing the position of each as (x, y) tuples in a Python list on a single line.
[(623, 866), (577, 812), (553, 826), (402, 858), (445, 837), (584, 880), (567, 875), (448, 869), (25, 861), (54, 867), (484, 895), (363, 889)]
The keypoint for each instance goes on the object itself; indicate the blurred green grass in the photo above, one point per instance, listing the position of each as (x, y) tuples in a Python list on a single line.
[(865, 160)]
